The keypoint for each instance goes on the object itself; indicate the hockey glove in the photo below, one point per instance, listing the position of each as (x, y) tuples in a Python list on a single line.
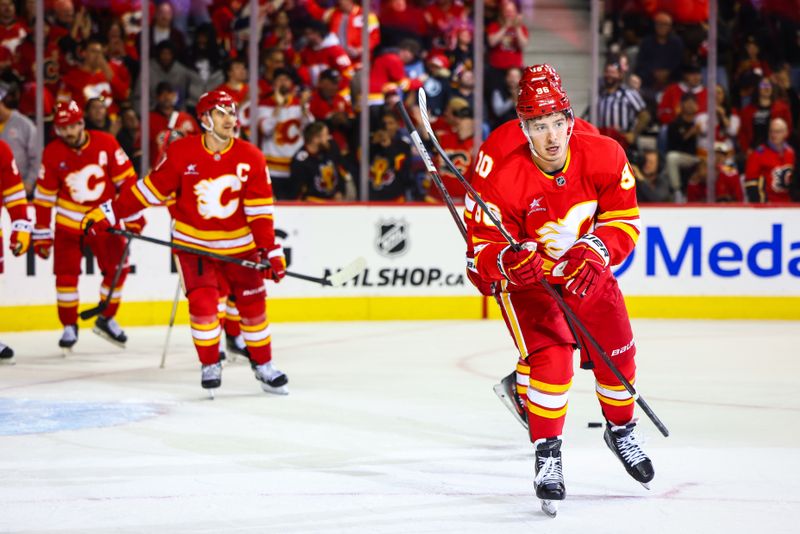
[(277, 263), (521, 267), (20, 236), (99, 219), (582, 264), (42, 241)]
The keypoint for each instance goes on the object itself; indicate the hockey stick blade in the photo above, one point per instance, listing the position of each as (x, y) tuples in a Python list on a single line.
[(348, 272), (85, 315)]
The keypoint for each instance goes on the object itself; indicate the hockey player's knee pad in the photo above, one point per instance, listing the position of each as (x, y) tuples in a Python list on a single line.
[(552, 364), (203, 302)]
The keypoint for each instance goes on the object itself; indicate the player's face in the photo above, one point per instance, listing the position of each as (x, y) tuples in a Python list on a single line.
[(224, 122), (549, 137), (72, 134)]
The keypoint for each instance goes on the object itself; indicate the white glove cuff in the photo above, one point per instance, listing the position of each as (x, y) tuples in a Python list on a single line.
[(108, 211), (596, 244), (42, 233), (22, 225), (275, 252)]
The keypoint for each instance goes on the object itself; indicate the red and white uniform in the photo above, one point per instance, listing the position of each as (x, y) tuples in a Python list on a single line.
[(348, 27), (12, 191), (322, 109), (281, 128), (73, 181), (460, 153), (81, 85), (185, 125), (593, 193), (328, 55), (669, 107), (223, 204), (768, 174), (11, 36)]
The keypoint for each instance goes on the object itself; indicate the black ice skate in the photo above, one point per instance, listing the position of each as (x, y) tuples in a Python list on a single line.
[(6, 354), (236, 346), (211, 377), (549, 481), (506, 391), (626, 446), (68, 338), (109, 330), (272, 380)]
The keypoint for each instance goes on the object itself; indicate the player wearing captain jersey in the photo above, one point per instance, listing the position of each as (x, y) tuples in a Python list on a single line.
[(223, 204), (80, 170), (12, 197), (570, 198)]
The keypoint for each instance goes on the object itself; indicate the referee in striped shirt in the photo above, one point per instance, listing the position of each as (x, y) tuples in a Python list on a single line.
[(622, 113)]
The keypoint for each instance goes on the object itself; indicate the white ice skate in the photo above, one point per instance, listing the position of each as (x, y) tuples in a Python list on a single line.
[(549, 481), (109, 330), (211, 378), (272, 380), (68, 339)]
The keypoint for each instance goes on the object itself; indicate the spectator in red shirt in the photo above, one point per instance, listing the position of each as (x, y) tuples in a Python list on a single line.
[(236, 80), (441, 17), (769, 169), (322, 52), (400, 20), (507, 38), (328, 105), (669, 106), (96, 77), (280, 36), (12, 30), (272, 60), (346, 21), (756, 116), (729, 182), (166, 99)]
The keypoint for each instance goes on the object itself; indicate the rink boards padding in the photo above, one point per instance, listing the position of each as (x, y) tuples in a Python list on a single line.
[(690, 262)]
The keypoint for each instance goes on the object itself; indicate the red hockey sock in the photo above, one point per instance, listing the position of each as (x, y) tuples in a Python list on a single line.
[(67, 298)]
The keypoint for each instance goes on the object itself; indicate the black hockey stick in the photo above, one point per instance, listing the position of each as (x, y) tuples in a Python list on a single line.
[(336, 279), (101, 307), (565, 309), (426, 158)]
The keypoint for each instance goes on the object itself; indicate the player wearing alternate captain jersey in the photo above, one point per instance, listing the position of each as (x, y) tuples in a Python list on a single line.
[(80, 170), (223, 204), (12, 197), (570, 198)]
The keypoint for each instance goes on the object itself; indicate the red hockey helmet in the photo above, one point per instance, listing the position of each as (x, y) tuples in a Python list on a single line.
[(215, 99), (539, 98), (67, 113), (541, 72)]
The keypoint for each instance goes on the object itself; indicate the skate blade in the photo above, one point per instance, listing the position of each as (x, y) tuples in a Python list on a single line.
[(646, 485), (66, 351), (280, 390), (8, 361), (210, 394), (500, 391), (550, 508), (108, 338)]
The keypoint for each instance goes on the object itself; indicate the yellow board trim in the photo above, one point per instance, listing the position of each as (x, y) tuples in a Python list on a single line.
[(18, 318)]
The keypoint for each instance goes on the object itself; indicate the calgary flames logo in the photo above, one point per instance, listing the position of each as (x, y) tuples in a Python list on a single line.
[(210, 192), (557, 236), (87, 184), (287, 132), (781, 178), (381, 174)]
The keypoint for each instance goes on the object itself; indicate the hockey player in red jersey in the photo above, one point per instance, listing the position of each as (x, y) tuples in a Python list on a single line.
[(224, 205), (12, 196), (81, 170), (570, 198)]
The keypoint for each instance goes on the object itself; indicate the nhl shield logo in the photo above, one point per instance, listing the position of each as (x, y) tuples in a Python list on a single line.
[(392, 237)]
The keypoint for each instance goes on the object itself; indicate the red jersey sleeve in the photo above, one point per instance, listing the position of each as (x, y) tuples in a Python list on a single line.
[(259, 208), (47, 187), (153, 190), (12, 192), (617, 219)]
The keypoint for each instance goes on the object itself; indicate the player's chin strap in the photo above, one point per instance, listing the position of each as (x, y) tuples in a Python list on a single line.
[(524, 124), (210, 127)]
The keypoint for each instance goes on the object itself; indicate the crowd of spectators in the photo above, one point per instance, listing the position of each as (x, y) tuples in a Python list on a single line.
[(652, 94), (653, 98)]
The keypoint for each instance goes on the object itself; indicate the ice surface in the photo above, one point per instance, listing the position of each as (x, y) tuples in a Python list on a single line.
[(390, 427)]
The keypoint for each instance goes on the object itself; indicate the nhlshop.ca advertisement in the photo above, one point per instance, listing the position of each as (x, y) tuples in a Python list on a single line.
[(416, 250)]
